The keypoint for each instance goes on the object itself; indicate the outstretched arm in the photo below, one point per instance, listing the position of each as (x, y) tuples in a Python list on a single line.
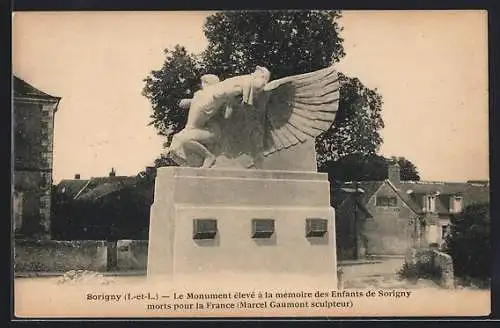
[(185, 103)]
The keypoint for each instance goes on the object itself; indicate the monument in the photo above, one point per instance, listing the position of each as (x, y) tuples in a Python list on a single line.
[(246, 197)]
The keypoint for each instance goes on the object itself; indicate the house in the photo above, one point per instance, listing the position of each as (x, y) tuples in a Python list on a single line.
[(103, 208), (33, 129), (393, 216)]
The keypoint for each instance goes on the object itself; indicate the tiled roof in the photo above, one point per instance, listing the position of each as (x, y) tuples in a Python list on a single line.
[(94, 188), (100, 187), (368, 187), (70, 187), (423, 187), (412, 192), (471, 192), (23, 89), (414, 206)]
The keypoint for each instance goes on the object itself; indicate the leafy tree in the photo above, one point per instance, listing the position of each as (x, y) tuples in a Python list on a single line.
[(371, 167), (469, 242), (357, 124), (356, 167), (164, 161), (287, 43), (177, 79), (409, 171)]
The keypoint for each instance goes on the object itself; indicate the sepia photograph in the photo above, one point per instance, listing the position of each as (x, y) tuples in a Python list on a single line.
[(249, 164)]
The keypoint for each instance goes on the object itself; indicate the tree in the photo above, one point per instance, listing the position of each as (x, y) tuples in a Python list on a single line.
[(287, 43), (356, 126), (177, 79), (164, 161), (469, 242), (371, 167), (409, 171), (356, 167)]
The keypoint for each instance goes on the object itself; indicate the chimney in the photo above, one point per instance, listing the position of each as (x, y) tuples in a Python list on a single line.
[(77, 176), (394, 172), (112, 173)]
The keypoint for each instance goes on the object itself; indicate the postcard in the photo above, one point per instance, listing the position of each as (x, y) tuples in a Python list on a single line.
[(249, 164)]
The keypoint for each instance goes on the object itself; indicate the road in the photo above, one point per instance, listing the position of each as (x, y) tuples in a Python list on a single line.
[(377, 273)]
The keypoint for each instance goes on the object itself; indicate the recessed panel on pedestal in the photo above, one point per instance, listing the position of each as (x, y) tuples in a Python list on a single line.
[(262, 228), (204, 228), (316, 227)]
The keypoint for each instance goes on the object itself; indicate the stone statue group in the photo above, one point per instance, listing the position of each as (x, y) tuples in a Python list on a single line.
[(251, 114)]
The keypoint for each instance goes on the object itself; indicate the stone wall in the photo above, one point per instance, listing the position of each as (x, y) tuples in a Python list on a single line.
[(96, 255), (434, 262), (59, 256), (33, 138), (444, 263), (34, 219), (28, 146)]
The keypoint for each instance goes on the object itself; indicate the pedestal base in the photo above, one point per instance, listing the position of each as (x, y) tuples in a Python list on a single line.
[(267, 223)]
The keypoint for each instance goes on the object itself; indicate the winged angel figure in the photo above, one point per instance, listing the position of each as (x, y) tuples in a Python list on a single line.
[(250, 116)]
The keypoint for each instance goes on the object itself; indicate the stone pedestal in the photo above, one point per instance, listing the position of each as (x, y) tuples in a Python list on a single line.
[(300, 239)]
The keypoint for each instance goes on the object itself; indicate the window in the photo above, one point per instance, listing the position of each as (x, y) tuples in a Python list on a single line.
[(456, 204), (431, 203), (204, 228), (316, 227), (386, 201), (262, 228)]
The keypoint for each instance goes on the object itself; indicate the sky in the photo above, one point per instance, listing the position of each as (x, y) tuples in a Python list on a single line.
[(430, 68)]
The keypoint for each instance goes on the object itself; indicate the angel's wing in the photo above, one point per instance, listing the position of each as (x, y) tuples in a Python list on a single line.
[(300, 107)]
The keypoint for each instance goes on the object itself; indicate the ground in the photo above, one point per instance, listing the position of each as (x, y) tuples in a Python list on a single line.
[(92, 295), (381, 272)]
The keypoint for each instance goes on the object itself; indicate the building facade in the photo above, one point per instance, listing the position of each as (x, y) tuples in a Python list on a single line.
[(33, 135), (393, 216)]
